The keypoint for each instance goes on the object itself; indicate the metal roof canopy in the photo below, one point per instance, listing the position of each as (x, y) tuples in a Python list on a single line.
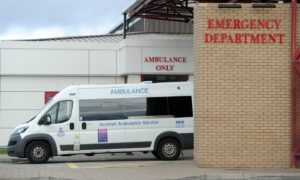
[(171, 10), (175, 10)]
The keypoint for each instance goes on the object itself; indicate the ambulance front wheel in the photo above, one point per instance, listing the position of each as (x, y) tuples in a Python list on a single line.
[(168, 149), (38, 152), (155, 154)]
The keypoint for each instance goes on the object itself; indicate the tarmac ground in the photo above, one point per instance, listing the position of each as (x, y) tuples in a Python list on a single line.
[(138, 166)]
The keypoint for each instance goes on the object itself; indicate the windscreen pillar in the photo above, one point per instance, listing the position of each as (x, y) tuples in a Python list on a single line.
[(242, 86)]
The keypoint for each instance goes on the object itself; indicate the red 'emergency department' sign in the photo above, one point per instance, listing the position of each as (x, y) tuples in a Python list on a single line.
[(267, 27)]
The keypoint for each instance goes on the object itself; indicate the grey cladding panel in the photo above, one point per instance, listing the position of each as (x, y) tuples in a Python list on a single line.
[(168, 26)]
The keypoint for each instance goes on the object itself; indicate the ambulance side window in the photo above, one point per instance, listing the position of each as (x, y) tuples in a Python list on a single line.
[(135, 107), (157, 106), (64, 111), (60, 112), (180, 106), (101, 109)]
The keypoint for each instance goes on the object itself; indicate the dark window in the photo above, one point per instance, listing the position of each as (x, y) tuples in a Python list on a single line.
[(165, 78), (157, 106), (113, 109), (135, 107), (180, 106), (60, 112), (101, 109)]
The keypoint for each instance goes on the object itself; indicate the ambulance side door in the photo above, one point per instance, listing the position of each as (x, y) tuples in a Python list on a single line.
[(102, 127), (63, 117)]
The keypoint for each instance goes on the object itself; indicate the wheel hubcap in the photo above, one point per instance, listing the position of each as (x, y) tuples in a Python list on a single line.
[(38, 152), (169, 150)]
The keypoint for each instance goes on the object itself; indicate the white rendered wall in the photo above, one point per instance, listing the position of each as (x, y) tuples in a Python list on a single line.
[(21, 100), (44, 62), (121, 62), (133, 59), (191, 78), (133, 79), (38, 83), (106, 80), (103, 62)]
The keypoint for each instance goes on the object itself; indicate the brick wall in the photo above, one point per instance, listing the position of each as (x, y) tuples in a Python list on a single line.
[(242, 93)]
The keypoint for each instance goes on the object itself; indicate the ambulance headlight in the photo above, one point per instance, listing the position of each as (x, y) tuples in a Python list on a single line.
[(20, 130)]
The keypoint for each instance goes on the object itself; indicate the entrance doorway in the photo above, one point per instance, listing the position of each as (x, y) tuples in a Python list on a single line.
[(164, 78)]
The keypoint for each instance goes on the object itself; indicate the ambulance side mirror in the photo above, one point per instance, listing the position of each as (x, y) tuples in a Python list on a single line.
[(45, 120)]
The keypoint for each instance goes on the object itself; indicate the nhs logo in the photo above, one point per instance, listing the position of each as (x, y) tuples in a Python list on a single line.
[(180, 123)]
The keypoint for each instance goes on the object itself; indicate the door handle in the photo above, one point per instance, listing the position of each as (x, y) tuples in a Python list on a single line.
[(83, 125), (72, 126)]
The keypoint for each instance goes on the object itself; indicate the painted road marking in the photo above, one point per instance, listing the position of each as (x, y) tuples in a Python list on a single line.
[(111, 166), (103, 165), (123, 165), (72, 165), (114, 166)]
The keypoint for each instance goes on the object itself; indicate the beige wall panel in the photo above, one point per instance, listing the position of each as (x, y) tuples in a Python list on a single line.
[(242, 92)]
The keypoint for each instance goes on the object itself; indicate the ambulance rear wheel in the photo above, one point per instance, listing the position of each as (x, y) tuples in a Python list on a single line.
[(168, 149), (38, 152)]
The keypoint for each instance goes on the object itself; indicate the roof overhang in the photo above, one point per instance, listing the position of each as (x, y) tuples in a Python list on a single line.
[(175, 10), (172, 10)]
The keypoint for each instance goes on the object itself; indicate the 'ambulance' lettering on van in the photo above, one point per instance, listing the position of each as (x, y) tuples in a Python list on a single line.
[(130, 91)]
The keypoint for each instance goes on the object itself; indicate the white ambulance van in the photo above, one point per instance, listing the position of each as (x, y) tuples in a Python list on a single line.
[(91, 119)]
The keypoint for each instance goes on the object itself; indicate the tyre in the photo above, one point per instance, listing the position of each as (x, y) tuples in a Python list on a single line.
[(38, 152), (168, 149), (155, 154)]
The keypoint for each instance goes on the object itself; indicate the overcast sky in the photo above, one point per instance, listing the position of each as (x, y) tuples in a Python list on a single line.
[(21, 19)]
